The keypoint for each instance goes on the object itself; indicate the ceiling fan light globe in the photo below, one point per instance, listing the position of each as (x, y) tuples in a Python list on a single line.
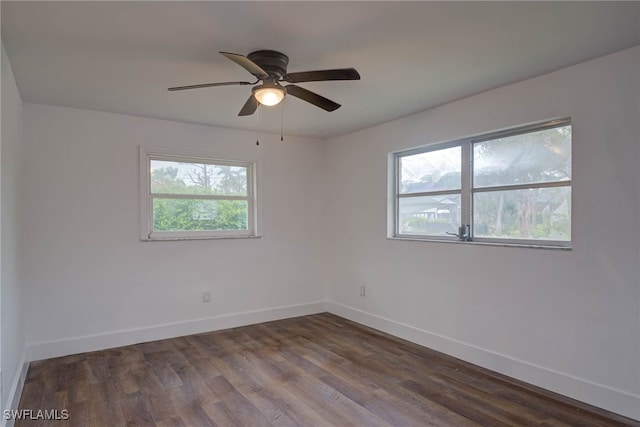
[(269, 96)]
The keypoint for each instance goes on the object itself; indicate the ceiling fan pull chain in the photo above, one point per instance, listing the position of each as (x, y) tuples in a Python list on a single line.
[(257, 127), (282, 122)]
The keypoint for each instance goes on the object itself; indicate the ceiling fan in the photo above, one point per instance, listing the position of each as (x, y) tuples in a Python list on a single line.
[(270, 68)]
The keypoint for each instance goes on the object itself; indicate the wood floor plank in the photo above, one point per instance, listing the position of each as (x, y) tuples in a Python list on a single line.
[(275, 390), (79, 415), (327, 365), (431, 413), (172, 422), (318, 370), (242, 405), (287, 384), (137, 411), (221, 415)]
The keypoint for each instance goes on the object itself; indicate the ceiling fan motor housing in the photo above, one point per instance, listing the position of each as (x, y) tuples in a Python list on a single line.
[(274, 63), (270, 68)]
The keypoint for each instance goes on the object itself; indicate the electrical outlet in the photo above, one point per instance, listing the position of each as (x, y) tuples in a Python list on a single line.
[(363, 290), (206, 296)]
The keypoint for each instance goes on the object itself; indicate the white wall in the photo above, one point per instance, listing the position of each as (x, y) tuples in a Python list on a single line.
[(568, 321), (92, 283), (12, 333)]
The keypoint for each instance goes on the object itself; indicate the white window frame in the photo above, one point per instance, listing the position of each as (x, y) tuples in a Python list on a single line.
[(467, 189), (147, 154)]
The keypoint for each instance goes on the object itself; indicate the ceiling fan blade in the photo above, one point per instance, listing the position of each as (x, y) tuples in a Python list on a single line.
[(246, 63), (323, 75), (312, 98), (208, 85), (249, 107)]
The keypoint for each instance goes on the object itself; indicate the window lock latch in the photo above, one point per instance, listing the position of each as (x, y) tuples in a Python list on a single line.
[(463, 234)]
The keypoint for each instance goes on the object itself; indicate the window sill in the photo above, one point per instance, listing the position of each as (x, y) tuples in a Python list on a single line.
[(481, 243)]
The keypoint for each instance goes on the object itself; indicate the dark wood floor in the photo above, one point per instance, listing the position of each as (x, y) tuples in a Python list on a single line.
[(318, 370)]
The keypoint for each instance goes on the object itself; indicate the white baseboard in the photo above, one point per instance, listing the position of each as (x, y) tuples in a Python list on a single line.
[(602, 396), (65, 347), (16, 389)]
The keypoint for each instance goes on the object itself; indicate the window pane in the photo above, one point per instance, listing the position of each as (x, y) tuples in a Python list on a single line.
[(437, 170), (541, 156), (537, 213), (429, 215), (168, 177), (199, 215)]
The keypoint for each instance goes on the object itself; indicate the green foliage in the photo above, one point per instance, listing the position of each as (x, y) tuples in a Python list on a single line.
[(165, 180), (194, 214), (541, 156), (523, 214)]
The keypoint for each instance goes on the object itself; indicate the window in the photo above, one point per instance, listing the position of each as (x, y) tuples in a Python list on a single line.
[(510, 187), (190, 197)]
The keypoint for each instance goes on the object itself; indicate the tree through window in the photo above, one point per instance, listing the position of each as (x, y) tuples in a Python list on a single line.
[(512, 186), (197, 197)]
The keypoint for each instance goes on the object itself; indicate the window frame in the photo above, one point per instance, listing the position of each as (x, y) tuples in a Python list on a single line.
[(467, 189), (147, 154)]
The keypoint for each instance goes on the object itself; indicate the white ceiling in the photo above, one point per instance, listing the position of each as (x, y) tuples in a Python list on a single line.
[(122, 56)]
